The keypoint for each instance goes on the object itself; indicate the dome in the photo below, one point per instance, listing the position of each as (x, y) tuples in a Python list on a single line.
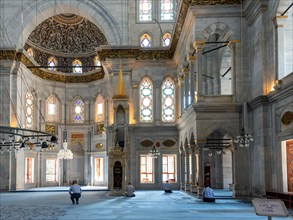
[(67, 35)]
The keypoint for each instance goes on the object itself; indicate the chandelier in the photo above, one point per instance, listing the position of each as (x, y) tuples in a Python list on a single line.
[(65, 153), (25, 139), (154, 153), (243, 139)]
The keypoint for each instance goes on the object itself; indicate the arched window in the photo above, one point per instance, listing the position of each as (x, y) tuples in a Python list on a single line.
[(167, 10), (100, 106), (77, 111), (30, 52), (145, 40), (77, 66), (166, 39), (52, 108), (97, 62), (29, 110), (145, 10), (168, 100), (52, 62), (146, 100)]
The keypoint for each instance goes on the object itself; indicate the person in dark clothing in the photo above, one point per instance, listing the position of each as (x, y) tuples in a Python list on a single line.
[(75, 192)]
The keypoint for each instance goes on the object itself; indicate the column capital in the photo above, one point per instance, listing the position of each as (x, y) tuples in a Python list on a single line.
[(198, 45), (182, 151), (184, 70), (191, 59), (279, 20)]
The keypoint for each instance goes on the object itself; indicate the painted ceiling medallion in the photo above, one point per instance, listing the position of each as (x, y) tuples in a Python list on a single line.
[(67, 34)]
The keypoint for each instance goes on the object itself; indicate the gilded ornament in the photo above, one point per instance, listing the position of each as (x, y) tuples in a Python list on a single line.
[(51, 129)]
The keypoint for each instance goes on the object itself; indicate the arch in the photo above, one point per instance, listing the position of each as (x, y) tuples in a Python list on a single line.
[(77, 110), (219, 28), (30, 52), (168, 99), (30, 108), (52, 62), (52, 108), (145, 40), (166, 39), (91, 10), (77, 66), (100, 108), (146, 99)]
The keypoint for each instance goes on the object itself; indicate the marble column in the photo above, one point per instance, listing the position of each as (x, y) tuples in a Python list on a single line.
[(182, 168), (232, 47), (194, 152), (280, 45), (191, 60), (198, 46), (181, 96), (185, 71), (200, 186), (188, 171)]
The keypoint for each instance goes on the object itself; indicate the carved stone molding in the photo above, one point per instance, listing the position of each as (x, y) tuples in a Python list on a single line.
[(65, 78)]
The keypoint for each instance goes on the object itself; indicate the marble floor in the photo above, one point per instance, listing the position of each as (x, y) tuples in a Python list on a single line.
[(147, 205)]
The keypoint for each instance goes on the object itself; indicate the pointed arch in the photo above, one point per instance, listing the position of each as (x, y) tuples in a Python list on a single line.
[(145, 40), (30, 52), (146, 99), (52, 62), (166, 39), (168, 100), (100, 108), (77, 110), (77, 66), (52, 106), (30, 109)]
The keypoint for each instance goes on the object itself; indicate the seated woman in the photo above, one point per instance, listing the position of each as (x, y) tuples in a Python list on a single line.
[(167, 187), (208, 194)]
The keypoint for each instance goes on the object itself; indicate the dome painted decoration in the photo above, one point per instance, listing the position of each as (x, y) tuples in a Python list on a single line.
[(67, 34)]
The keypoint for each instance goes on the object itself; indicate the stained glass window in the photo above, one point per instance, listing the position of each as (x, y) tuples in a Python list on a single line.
[(29, 170), (169, 167), (100, 103), (146, 169), (78, 111), (168, 100), (52, 108), (97, 62), (29, 109), (77, 66), (30, 52), (166, 39), (145, 10), (146, 100), (52, 62), (167, 10), (51, 170), (145, 40)]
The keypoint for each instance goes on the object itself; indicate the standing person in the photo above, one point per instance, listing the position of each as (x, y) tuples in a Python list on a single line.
[(129, 190), (208, 194), (75, 192), (167, 187)]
